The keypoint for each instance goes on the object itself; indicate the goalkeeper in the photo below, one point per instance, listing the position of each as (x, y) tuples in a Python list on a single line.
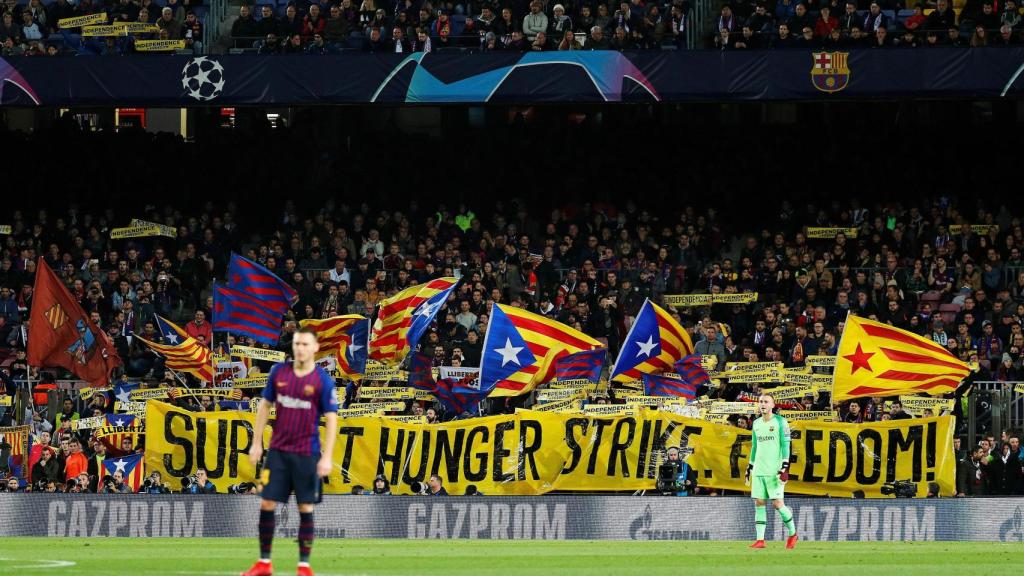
[(769, 469)]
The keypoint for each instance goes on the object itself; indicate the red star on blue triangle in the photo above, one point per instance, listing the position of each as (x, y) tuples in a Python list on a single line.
[(859, 359)]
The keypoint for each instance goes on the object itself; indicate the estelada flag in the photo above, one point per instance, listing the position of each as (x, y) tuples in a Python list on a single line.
[(875, 359), (344, 337), (61, 334), (391, 338), (520, 350)]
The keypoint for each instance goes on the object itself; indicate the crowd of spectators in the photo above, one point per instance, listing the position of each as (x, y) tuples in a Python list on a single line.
[(589, 265), (423, 26), (852, 24), (31, 28), (332, 26), (626, 25)]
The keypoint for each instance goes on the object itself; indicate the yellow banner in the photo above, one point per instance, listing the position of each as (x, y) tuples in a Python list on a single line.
[(406, 419), (227, 393), (105, 431), (534, 452), (1019, 388), (786, 392), (821, 232), (708, 299), (258, 354), (686, 299), (957, 229), (88, 423), (798, 415), (252, 382), (820, 361), (134, 231), (142, 28), (773, 377), (735, 298), (375, 370), (148, 394), (136, 408), (575, 383), (560, 394), (6, 400), (424, 395), (5, 228), (716, 418), (105, 30), (169, 231), (371, 409), (385, 393), (733, 408), (79, 21), (159, 45), (751, 366), (570, 405), (647, 400), (611, 410), (918, 404)]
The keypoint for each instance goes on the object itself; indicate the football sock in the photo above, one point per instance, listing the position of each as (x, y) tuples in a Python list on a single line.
[(787, 518), (760, 520), (306, 533), (267, 524)]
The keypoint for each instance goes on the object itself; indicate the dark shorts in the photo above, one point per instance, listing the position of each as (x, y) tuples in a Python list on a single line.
[(287, 472)]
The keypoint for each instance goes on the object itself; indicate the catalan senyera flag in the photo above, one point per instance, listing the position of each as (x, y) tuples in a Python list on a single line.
[(520, 350), (654, 344), (345, 338), (875, 359), (63, 335), (17, 437), (389, 342), (182, 352)]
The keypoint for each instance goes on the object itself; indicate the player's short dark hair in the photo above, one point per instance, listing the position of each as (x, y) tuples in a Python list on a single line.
[(306, 330)]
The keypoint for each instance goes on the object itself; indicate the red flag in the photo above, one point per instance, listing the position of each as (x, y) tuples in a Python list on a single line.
[(61, 334)]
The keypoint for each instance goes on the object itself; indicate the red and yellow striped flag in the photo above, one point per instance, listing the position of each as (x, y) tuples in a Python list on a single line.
[(17, 437), (875, 359), (388, 338), (184, 354)]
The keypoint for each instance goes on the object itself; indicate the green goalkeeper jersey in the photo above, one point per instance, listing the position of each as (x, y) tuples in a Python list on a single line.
[(769, 445)]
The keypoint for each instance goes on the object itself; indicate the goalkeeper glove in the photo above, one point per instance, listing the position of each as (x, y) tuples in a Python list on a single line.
[(784, 473)]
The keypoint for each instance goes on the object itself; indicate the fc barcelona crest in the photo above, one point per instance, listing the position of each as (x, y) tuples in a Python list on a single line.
[(830, 72)]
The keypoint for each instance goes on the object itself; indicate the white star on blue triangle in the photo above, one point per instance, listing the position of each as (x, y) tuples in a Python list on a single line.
[(356, 352), (642, 343), (169, 334), (505, 351), (424, 315)]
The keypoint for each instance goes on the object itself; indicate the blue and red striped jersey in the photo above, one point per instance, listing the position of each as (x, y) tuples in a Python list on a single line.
[(299, 403)]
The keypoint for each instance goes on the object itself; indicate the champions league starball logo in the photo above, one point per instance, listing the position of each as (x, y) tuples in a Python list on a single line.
[(203, 78)]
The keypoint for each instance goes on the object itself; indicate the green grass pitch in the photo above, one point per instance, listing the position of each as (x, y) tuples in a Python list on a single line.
[(216, 556)]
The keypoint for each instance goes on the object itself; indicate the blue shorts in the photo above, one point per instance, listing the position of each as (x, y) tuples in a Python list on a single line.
[(287, 472)]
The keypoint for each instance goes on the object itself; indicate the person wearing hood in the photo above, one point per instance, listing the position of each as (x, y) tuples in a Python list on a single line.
[(381, 486)]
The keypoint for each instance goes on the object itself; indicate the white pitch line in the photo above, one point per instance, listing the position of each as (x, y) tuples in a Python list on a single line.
[(39, 564)]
